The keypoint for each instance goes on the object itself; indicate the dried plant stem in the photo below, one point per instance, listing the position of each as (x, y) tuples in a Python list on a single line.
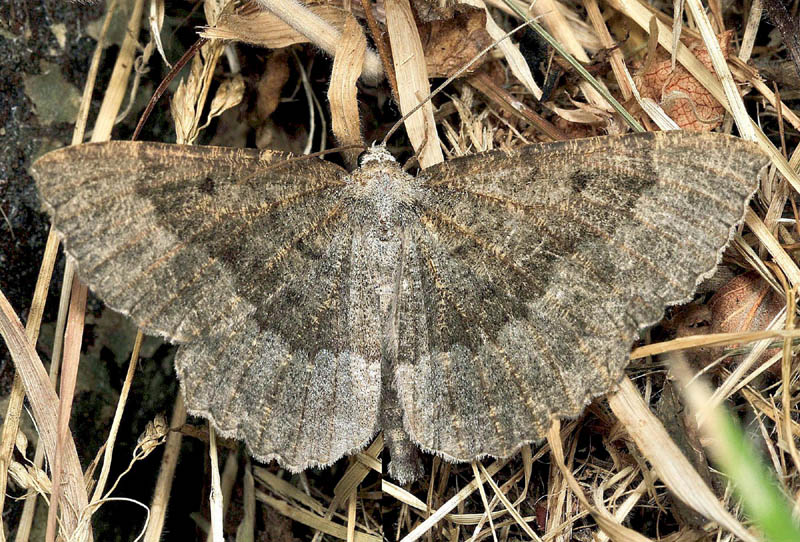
[(477, 474), (112, 434), (451, 503), (69, 378), (245, 531), (786, 374), (162, 87), (605, 521), (617, 60), (229, 473), (753, 22), (486, 85), (215, 497), (509, 506), (713, 339), (117, 85), (313, 520), (786, 262), (383, 52), (351, 516), (353, 476)]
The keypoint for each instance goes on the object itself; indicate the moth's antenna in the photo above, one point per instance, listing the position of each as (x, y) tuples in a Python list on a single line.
[(449, 80), (293, 159), (326, 151), (162, 87)]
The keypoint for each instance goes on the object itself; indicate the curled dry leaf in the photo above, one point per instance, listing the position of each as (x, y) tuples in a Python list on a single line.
[(682, 96), (454, 39), (743, 303), (746, 303)]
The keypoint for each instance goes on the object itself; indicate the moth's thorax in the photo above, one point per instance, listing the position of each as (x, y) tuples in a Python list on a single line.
[(382, 197)]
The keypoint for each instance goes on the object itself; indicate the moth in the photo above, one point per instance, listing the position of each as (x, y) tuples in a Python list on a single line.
[(460, 310)]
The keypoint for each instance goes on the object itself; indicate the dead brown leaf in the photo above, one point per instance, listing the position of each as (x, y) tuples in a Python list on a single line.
[(453, 40), (682, 96), (745, 303)]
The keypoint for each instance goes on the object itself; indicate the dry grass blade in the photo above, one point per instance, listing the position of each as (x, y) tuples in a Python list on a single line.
[(671, 465), (509, 103), (743, 121), (345, 120), (115, 91), (402, 495), (412, 81), (736, 380), (509, 506), (286, 490), (351, 516), (245, 531), (17, 395), (617, 60), (229, 475), (44, 404), (215, 497), (715, 339), (112, 435), (781, 257), (486, 507), (69, 377)]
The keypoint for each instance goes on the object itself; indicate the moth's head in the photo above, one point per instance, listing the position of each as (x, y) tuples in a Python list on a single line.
[(375, 153)]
